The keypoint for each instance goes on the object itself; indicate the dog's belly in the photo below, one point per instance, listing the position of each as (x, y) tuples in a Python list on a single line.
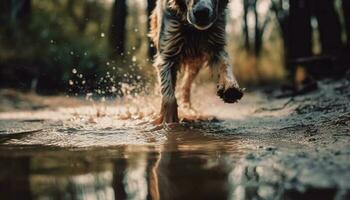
[(195, 61)]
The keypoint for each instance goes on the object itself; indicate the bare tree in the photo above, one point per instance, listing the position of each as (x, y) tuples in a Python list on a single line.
[(118, 27), (250, 6), (346, 10), (328, 26), (282, 16), (299, 28), (15, 12), (246, 5)]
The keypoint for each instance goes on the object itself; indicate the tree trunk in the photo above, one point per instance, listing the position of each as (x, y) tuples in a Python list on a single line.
[(15, 12), (300, 31), (25, 11), (282, 16), (258, 31), (118, 28), (328, 26), (245, 25), (346, 10), (151, 4)]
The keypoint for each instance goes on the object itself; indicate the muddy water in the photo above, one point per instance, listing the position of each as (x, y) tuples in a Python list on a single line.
[(183, 163), (260, 148), (109, 152)]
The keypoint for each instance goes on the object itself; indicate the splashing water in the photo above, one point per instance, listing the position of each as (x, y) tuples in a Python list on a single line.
[(105, 149)]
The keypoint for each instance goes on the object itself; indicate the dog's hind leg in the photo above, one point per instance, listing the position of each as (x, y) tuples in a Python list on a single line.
[(167, 74), (191, 71), (227, 88)]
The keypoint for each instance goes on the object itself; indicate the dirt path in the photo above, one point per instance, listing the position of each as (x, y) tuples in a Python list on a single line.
[(299, 147)]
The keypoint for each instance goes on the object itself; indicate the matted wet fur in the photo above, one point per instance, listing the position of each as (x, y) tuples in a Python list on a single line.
[(189, 34)]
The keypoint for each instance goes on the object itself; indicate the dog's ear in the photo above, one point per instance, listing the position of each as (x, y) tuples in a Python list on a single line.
[(179, 5)]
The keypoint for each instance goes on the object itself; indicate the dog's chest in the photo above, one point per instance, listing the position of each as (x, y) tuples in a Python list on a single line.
[(195, 43)]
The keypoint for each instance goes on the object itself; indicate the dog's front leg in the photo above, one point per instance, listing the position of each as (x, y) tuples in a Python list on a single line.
[(227, 88), (191, 71), (167, 70)]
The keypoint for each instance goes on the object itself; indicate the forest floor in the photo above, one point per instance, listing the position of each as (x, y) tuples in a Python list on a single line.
[(296, 148)]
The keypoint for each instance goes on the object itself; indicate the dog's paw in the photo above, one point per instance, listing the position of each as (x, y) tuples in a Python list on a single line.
[(168, 114), (230, 95)]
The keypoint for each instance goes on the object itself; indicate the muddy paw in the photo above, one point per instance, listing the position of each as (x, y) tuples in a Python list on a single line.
[(167, 119), (168, 114), (230, 95)]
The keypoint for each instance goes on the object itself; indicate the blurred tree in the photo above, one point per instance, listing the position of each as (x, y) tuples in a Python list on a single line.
[(299, 28), (151, 4), (250, 6), (246, 5), (346, 10), (282, 16), (118, 28), (79, 20), (15, 10), (15, 13), (296, 30), (328, 26)]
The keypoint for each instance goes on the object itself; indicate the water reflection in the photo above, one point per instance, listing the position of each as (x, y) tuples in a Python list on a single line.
[(189, 165)]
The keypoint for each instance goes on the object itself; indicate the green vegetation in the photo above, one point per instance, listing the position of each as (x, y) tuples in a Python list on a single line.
[(42, 48), (80, 46)]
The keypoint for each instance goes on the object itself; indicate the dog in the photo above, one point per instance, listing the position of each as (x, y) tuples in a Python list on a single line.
[(189, 34)]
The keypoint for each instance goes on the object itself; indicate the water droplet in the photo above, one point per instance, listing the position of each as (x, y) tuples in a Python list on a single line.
[(88, 96), (134, 59), (74, 71), (71, 82), (102, 35)]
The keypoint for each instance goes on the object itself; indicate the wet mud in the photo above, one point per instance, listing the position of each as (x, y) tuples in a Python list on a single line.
[(260, 148)]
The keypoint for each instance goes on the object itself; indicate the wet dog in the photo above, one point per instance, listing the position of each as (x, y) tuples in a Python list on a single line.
[(189, 34)]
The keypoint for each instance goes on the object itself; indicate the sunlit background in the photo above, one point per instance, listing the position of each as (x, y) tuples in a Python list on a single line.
[(83, 46)]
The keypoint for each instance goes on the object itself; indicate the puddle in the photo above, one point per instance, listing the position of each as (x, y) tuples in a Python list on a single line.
[(91, 152), (173, 167)]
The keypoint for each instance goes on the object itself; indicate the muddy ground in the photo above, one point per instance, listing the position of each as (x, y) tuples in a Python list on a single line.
[(289, 148)]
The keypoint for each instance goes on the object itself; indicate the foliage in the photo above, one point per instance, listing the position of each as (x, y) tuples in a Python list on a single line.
[(59, 37)]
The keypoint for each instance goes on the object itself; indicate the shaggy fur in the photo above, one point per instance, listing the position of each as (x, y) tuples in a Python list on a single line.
[(181, 44)]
